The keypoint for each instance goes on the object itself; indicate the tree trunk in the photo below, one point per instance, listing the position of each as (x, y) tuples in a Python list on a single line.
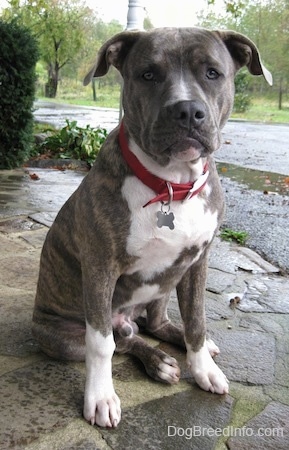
[(52, 83), (280, 95), (94, 90)]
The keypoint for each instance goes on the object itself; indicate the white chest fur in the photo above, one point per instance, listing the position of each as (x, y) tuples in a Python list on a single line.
[(158, 248)]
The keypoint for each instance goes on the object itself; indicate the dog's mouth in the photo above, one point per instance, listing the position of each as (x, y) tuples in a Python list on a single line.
[(188, 149)]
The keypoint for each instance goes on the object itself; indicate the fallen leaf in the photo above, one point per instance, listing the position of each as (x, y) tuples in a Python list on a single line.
[(34, 176)]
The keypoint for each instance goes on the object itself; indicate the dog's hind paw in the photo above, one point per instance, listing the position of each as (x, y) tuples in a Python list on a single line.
[(168, 370), (161, 366), (212, 347), (104, 413), (206, 372)]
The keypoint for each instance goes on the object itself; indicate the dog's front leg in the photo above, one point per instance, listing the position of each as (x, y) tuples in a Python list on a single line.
[(101, 404), (191, 297)]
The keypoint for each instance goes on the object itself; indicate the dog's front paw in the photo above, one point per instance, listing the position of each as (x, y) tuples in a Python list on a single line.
[(104, 412), (206, 372)]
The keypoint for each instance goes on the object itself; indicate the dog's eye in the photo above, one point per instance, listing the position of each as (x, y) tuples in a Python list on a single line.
[(212, 74), (148, 76)]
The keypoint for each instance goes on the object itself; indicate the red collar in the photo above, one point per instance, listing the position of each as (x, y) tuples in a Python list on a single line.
[(165, 190)]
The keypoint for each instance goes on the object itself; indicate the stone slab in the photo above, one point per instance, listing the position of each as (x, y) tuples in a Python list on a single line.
[(38, 399), (217, 282), (228, 257), (269, 430), (78, 435), (20, 272), (178, 421), (266, 294), (246, 357), (15, 320), (44, 218)]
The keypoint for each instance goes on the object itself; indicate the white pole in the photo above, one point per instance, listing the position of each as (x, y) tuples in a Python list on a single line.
[(135, 15), (135, 20)]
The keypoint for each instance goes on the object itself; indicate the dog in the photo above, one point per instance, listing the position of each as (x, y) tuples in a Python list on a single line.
[(142, 221)]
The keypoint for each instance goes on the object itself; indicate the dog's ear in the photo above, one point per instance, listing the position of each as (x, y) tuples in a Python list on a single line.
[(245, 53), (113, 52)]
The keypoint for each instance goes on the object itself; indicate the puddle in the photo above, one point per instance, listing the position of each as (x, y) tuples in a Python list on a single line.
[(267, 182)]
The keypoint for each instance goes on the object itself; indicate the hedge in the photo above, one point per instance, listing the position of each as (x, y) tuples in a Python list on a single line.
[(18, 57)]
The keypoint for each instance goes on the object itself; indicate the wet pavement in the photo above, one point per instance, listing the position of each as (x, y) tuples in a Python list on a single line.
[(56, 114), (247, 314), (253, 145)]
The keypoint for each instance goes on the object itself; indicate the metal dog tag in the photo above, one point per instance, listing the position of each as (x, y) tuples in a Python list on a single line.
[(165, 219)]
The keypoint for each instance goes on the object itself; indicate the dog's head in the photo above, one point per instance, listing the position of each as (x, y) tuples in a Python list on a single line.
[(178, 86)]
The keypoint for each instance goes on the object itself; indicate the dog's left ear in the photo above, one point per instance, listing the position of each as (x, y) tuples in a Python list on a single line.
[(245, 53), (113, 52)]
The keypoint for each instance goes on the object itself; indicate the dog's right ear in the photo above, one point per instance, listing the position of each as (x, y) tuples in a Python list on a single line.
[(113, 52)]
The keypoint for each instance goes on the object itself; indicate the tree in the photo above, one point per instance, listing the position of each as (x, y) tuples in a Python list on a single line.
[(60, 27), (266, 22)]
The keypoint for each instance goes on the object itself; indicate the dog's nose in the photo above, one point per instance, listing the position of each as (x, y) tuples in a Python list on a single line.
[(188, 113)]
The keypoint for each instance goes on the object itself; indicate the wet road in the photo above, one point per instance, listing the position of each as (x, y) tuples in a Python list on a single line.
[(56, 114), (263, 147), (256, 146)]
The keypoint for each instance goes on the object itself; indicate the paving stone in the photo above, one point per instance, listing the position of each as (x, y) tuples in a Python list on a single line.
[(269, 430), (177, 421), (266, 294), (20, 271), (16, 315), (44, 218), (10, 244), (18, 224), (78, 435), (35, 239), (253, 258), (278, 393), (217, 282), (217, 308), (43, 397), (228, 257), (247, 357)]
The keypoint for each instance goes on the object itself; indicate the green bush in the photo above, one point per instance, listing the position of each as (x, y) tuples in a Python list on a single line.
[(242, 100), (18, 57), (74, 142)]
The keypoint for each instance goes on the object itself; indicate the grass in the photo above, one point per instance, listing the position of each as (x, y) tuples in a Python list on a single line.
[(77, 94), (265, 110), (237, 236)]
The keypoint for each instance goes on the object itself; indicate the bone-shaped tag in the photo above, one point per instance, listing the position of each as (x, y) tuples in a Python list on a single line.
[(165, 220)]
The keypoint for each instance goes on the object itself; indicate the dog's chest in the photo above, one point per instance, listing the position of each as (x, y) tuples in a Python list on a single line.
[(157, 247)]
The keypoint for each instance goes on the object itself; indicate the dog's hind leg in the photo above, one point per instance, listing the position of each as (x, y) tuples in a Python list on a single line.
[(158, 364), (157, 324), (60, 338)]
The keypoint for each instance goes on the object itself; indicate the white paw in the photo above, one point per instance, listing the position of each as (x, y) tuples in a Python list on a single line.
[(212, 347), (206, 372), (168, 370), (104, 412)]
